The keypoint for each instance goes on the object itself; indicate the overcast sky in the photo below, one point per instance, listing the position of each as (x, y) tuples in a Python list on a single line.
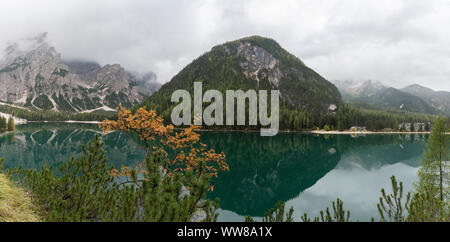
[(398, 42)]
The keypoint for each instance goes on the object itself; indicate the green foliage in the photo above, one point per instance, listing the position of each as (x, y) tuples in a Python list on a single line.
[(3, 124), (421, 206), (86, 190), (391, 99), (43, 102), (339, 214), (60, 72), (276, 214), (306, 95), (437, 99), (116, 99), (429, 203), (220, 69), (159, 198), (425, 206), (378, 119), (63, 103), (32, 114), (11, 125), (391, 206), (435, 169), (12, 67), (346, 117), (7, 124)]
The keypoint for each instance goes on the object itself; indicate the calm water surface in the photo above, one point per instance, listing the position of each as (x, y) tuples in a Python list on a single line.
[(304, 170)]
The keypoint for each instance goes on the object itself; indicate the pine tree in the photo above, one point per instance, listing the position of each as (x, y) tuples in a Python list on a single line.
[(11, 124), (83, 192), (339, 214), (421, 128), (391, 206), (435, 169), (276, 214), (2, 124), (425, 206)]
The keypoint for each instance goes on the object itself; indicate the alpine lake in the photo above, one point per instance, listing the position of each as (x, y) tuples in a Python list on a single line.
[(307, 171)]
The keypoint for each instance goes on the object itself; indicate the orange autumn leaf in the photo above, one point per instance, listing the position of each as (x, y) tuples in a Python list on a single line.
[(185, 147)]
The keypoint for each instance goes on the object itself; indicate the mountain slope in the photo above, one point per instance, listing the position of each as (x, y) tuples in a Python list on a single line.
[(375, 95), (34, 75), (438, 99), (252, 63)]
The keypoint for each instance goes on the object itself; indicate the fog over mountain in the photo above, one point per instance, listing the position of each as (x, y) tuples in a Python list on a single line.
[(413, 98), (400, 42), (33, 74)]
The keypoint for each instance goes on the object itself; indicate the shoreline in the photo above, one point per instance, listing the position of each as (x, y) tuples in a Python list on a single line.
[(67, 121), (17, 120), (333, 132), (368, 132), (318, 131), (5, 133)]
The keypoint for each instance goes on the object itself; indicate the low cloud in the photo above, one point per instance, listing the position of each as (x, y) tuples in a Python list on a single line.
[(397, 42)]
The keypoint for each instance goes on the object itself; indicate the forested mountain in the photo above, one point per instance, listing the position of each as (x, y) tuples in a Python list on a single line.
[(253, 63), (36, 83), (438, 99), (34, 75), (373, 94)]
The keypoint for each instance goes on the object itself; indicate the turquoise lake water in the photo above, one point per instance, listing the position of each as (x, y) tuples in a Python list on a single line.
[(306, 171)]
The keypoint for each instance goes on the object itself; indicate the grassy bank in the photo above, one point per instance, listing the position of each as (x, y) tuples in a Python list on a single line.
[(15, 203)]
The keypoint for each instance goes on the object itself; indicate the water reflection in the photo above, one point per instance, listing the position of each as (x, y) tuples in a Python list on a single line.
[(357, 187), (35, 145), (265, 170), (308, 171)]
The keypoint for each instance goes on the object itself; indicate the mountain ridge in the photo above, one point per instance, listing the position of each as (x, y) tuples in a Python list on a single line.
[(375, 94), (38, 77), (438, 99), (257, 63)]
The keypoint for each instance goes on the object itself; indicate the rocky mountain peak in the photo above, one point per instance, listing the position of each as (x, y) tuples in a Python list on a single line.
[(258, 59), (32, 47), (375, 95), (368, 88), (34, 75), (417, 89), (257, 63), (438, 99)]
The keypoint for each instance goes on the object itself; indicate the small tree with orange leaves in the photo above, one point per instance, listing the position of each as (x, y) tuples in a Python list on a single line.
[(182, 150), (179, 156)]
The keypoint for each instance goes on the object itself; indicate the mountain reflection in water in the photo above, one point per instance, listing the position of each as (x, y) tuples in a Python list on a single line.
[(305, 170)]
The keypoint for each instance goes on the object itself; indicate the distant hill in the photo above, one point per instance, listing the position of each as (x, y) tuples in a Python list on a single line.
[(440, 100), (374, 94), (252, 63)]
